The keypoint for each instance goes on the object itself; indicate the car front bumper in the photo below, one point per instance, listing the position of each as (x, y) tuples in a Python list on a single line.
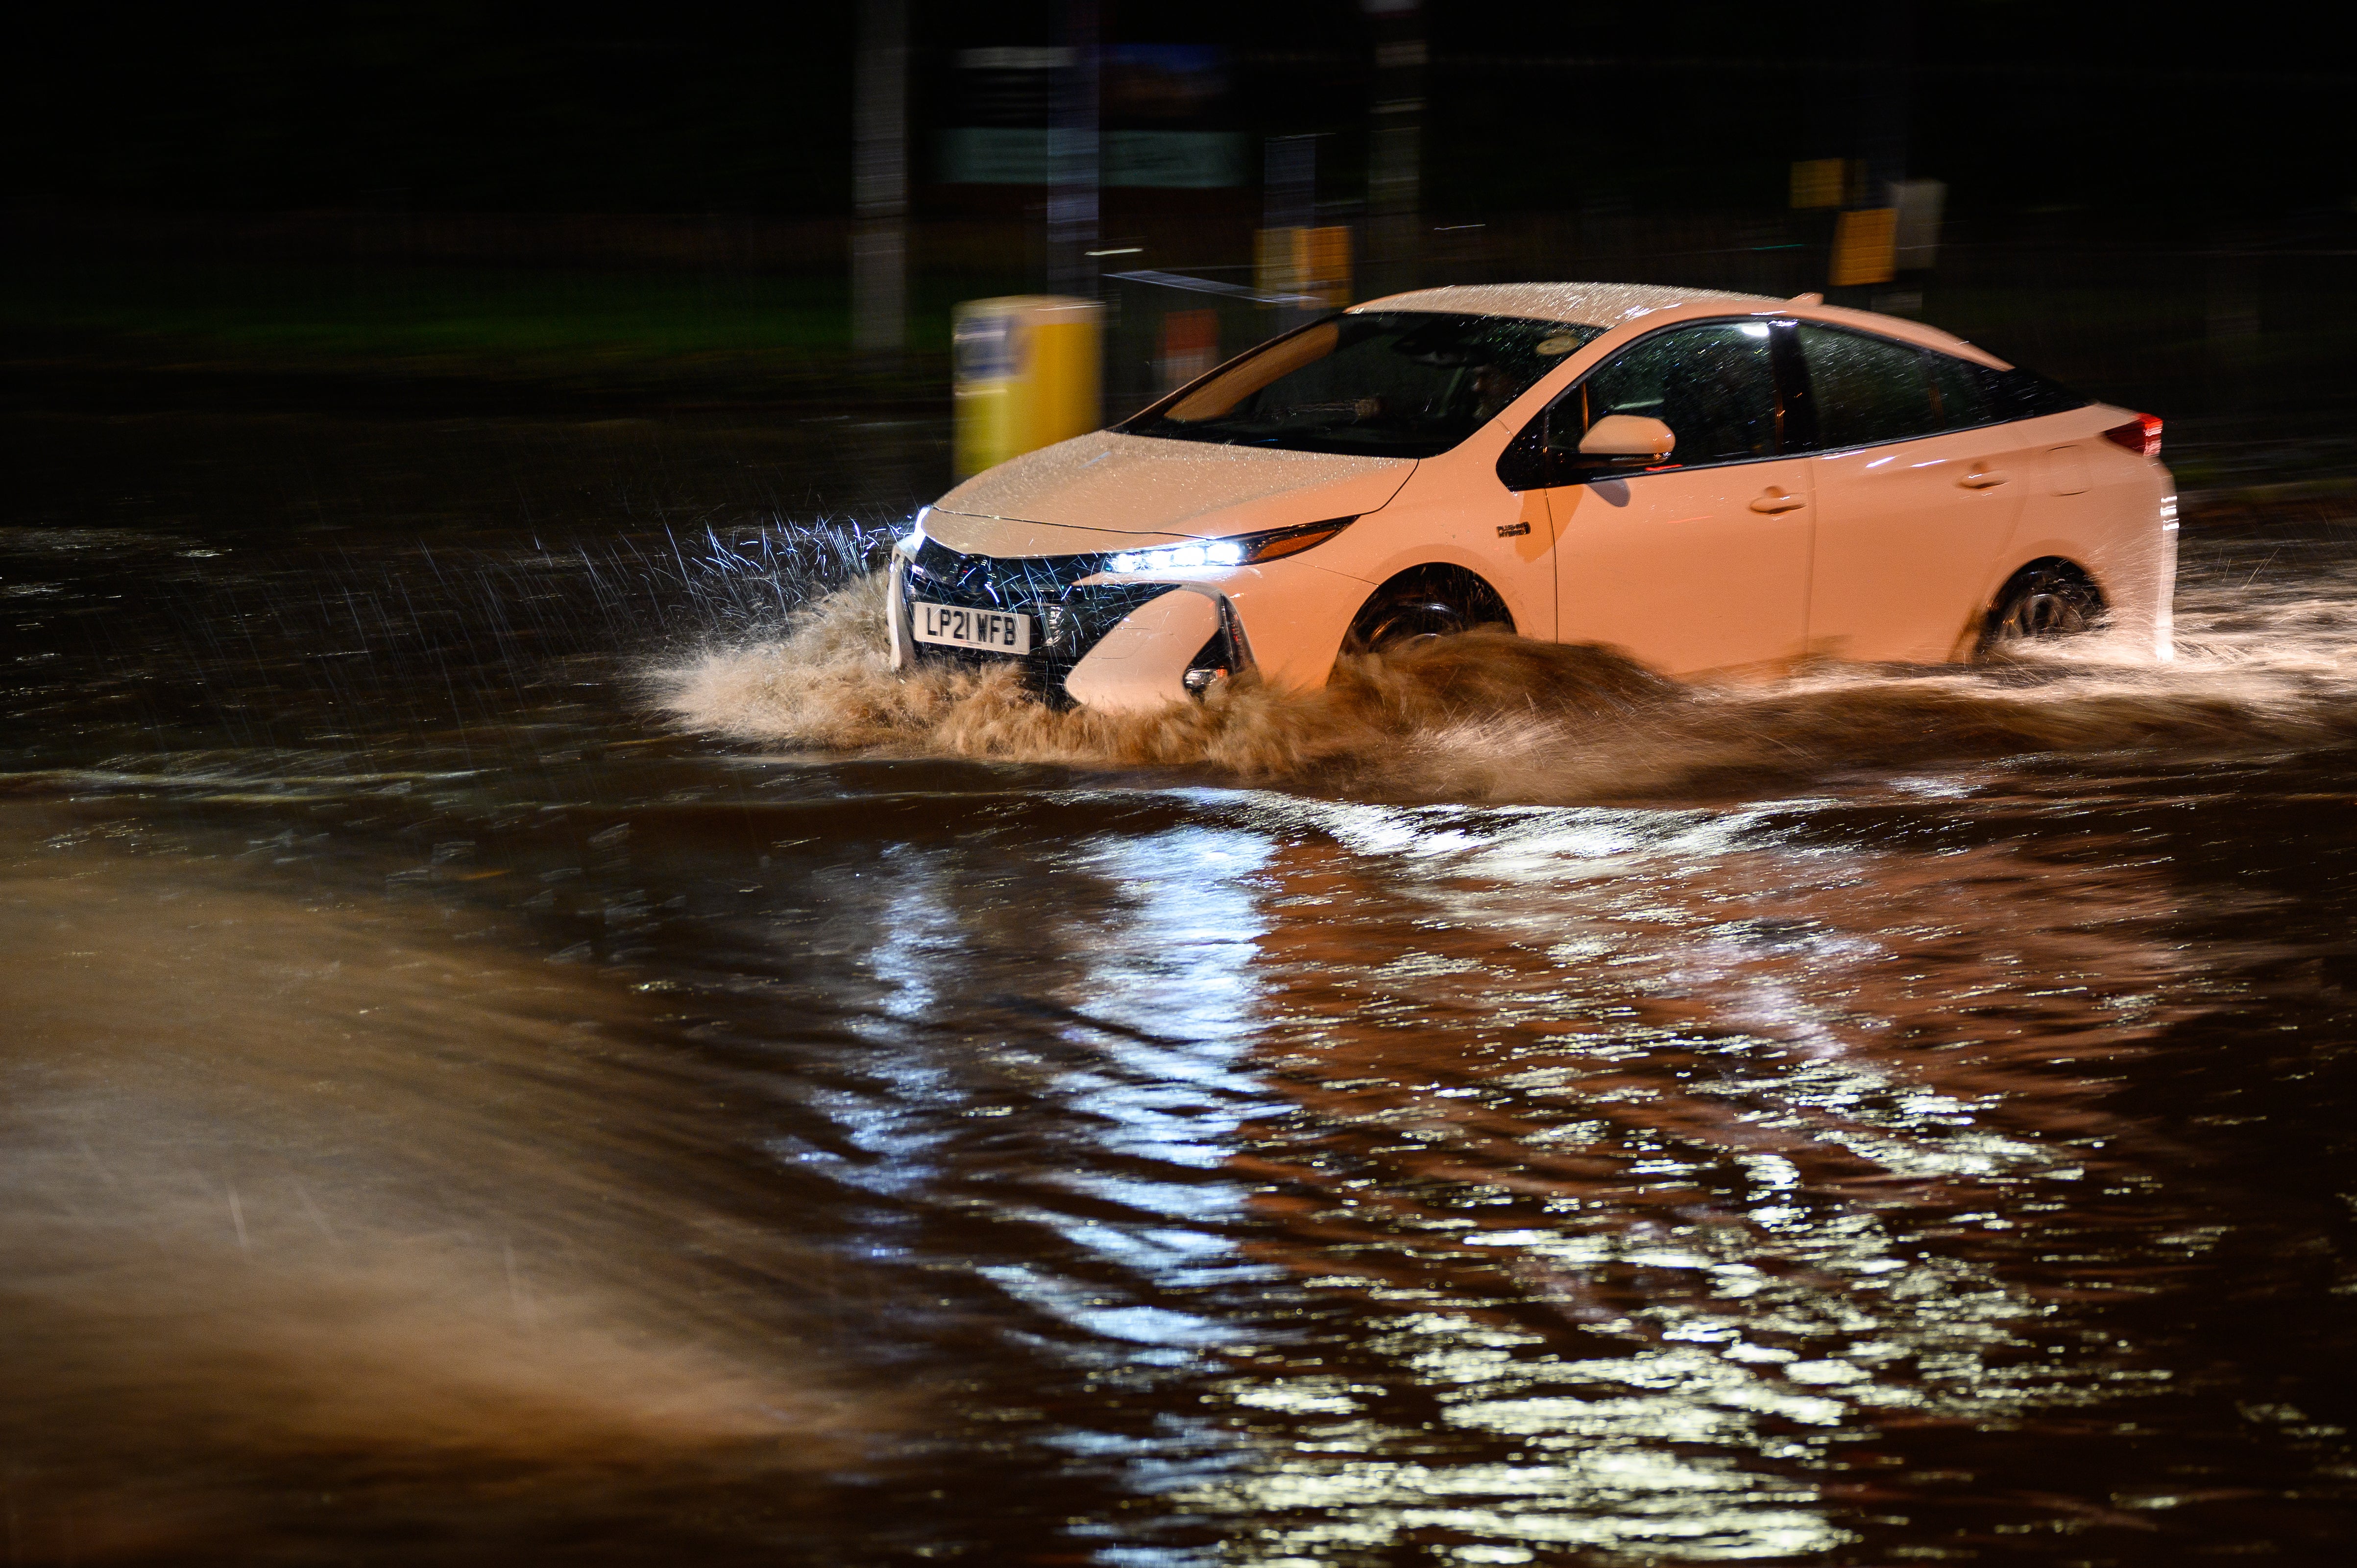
[(1169, 648)]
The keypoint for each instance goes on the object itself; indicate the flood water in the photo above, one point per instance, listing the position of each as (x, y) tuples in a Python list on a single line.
[(516, 1050)]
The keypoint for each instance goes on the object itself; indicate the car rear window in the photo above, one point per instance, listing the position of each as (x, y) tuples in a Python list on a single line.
[(1868, 389), (2018, 394)]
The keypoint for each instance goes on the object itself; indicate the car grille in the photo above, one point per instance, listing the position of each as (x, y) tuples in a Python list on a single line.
[(1068, 619)]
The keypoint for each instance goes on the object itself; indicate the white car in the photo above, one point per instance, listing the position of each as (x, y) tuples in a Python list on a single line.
[(1717, 485)]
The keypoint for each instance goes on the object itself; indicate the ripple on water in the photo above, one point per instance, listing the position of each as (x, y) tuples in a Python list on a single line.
[(297, 1187)]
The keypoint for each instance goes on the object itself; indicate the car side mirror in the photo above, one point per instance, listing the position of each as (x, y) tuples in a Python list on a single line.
[(1628, 440)]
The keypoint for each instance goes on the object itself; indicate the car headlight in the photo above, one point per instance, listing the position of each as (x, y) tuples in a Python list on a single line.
[(907, 544), (1244, 550)]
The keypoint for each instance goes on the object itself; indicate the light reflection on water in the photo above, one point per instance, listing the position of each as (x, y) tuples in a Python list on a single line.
[(1353, 1178), (1683, 1168)]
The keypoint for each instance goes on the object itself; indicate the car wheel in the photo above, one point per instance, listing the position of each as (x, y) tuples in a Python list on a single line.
[(2050, 600), (1416, 607)]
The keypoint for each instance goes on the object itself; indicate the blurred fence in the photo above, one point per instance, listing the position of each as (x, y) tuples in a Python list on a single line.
[(659, 243), (2183, 324)]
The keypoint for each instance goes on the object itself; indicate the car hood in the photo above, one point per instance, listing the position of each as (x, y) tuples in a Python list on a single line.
[(1109, 491)]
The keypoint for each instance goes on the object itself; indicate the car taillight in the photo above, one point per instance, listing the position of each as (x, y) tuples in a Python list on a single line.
[(2140, 434)]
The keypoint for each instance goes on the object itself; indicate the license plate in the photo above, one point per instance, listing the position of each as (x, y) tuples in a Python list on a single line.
[(991, 630)]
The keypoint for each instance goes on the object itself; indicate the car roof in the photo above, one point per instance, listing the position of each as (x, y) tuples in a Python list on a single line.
[(1611, 304), (1581, 304)]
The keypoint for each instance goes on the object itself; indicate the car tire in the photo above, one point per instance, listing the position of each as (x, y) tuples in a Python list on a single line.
[(1416, 607), (2045, 602)]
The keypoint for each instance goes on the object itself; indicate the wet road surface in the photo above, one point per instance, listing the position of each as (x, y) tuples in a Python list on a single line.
[(485, 1082)]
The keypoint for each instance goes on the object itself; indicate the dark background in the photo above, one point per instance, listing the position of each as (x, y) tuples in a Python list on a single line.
[(2159, 113), (636, 202)]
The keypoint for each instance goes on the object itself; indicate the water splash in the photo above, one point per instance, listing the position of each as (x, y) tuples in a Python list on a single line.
[(1489, 717)]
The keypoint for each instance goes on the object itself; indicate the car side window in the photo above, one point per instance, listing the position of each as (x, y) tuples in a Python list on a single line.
[(1961, 390), (1713, 385), (1858, 391), (1866, 390)]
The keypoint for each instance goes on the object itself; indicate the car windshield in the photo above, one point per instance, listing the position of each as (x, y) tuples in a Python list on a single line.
[(1384, 383)]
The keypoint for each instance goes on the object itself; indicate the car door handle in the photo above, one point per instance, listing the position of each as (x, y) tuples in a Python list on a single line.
[(1773, 500), (1981, 478)]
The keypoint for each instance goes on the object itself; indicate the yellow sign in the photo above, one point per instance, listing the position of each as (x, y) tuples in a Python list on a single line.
[(1313, 262), (1818, 182), (1865, 247)]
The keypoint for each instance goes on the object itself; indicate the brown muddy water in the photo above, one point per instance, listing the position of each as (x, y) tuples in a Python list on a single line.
[(521, 1044)]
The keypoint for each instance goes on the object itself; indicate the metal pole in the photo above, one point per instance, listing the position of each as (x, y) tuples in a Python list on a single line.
[(1883, 138), (1289, 183), (880, 181), (1288, 206), (1395, 151), (1073, 173)]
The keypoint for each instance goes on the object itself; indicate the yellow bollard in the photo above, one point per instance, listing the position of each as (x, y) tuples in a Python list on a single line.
[(1025, 376)]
